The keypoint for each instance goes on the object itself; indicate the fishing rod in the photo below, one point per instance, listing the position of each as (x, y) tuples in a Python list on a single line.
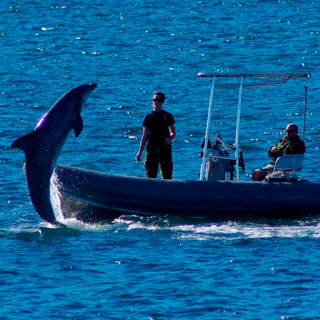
[(304, 111)]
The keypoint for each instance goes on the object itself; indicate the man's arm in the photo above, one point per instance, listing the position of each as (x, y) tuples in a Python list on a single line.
[(277, 150), (172, 132), (142, 143)]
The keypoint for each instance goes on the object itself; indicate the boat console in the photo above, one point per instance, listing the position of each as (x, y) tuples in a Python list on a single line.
[(220, 161)]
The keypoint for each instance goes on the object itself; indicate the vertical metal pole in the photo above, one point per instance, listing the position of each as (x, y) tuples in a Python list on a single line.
[(206, 138), (304, 111), (237, 175)]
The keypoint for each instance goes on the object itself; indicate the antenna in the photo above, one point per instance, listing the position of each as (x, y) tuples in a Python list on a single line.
[(304, 111)]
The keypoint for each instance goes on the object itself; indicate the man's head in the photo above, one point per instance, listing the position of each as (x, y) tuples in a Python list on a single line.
[(291, 130), (157, 100)]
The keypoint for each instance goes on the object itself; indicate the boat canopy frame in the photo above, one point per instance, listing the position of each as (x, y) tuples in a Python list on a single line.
[(279, 79)]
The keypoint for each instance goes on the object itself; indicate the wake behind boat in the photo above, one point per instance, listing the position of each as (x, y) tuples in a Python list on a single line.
[(218, 195)]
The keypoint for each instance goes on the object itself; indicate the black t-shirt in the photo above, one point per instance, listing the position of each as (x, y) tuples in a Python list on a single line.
[(158, 124)]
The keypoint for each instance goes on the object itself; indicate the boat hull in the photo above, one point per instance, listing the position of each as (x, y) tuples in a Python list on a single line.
[(94, 196)]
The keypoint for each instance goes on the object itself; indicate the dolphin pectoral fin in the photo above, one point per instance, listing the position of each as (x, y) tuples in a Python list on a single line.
[(77, 126), (24, 142)]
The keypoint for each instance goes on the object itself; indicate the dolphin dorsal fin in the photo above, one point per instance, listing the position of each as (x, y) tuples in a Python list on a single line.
[(26, 141), (77, 126)]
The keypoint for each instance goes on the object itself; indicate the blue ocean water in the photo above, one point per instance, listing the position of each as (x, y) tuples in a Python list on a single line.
[(156, 268)]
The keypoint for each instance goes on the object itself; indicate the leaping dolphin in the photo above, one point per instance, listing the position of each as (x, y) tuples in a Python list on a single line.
[(43, 145)]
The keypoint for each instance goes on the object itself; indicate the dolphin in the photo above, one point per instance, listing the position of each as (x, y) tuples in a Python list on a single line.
[(43, 145)]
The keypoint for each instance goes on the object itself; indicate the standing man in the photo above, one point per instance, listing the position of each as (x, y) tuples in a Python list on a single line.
[(158, 132)]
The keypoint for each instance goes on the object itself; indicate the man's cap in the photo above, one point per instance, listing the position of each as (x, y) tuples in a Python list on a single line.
[(291, 126)]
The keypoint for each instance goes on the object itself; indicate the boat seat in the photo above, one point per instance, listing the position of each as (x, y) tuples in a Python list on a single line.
[(289, 162), (286, 167)]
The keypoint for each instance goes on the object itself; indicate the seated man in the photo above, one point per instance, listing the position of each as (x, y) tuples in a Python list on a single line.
[(289, 144)]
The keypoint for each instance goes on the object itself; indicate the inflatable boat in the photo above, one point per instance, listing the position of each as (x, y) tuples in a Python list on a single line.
[(218, 195)]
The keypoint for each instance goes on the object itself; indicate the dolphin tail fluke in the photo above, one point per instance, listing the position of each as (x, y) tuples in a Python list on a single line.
[(24, 142)]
